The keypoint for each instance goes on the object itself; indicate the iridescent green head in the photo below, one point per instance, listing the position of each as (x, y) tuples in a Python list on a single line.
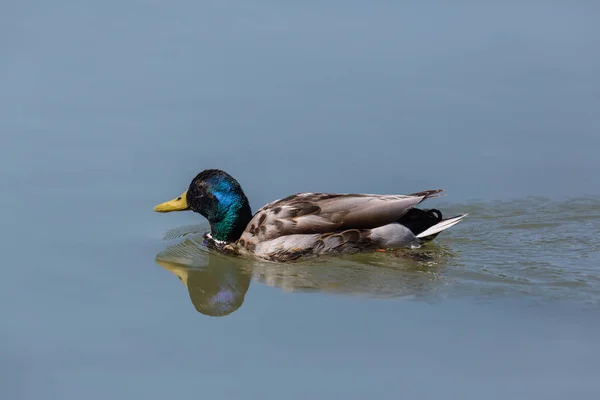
[(219, 198)]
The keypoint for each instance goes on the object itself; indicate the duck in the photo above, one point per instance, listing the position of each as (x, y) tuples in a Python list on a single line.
[(308, 224)]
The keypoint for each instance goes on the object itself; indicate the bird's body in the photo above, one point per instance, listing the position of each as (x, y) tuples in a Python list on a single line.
[(307, 224)]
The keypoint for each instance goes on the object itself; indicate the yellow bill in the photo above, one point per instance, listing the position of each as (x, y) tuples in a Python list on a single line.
[(178, 270), (178, 204)]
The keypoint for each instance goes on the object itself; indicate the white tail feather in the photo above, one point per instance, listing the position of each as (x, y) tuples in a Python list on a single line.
[(441, 226)]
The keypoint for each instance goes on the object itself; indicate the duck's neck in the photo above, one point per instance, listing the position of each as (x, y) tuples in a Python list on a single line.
[(231, 221)]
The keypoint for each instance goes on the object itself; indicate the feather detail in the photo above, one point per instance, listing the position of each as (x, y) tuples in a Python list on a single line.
[(319, 223), (307, 213), (441, 226)]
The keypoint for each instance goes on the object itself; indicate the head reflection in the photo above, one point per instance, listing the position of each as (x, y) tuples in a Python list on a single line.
[(217, 284)]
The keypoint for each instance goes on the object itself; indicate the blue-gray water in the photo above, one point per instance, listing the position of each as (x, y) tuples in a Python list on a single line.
[(108, 108)]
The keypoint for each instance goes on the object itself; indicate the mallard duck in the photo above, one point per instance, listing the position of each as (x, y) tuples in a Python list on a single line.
[(307, 224)]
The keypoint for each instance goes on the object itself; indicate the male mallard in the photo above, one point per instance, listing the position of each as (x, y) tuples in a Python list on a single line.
[(307, 223)]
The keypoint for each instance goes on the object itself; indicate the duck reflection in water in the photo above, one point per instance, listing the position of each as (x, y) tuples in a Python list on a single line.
[(217, 283)]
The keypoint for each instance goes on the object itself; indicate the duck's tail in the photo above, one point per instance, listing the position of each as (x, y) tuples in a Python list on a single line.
[(444, 224)]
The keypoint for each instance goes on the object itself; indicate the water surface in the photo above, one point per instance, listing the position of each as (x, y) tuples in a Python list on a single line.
[(108, 108)]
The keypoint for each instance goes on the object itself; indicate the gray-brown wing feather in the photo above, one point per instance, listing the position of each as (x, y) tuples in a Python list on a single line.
[(291, 247), (312, 213)]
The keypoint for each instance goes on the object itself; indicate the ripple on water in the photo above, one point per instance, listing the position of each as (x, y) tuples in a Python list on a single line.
[(551, 247)]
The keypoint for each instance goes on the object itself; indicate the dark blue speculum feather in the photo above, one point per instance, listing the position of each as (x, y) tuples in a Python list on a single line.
[(220, 199)]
